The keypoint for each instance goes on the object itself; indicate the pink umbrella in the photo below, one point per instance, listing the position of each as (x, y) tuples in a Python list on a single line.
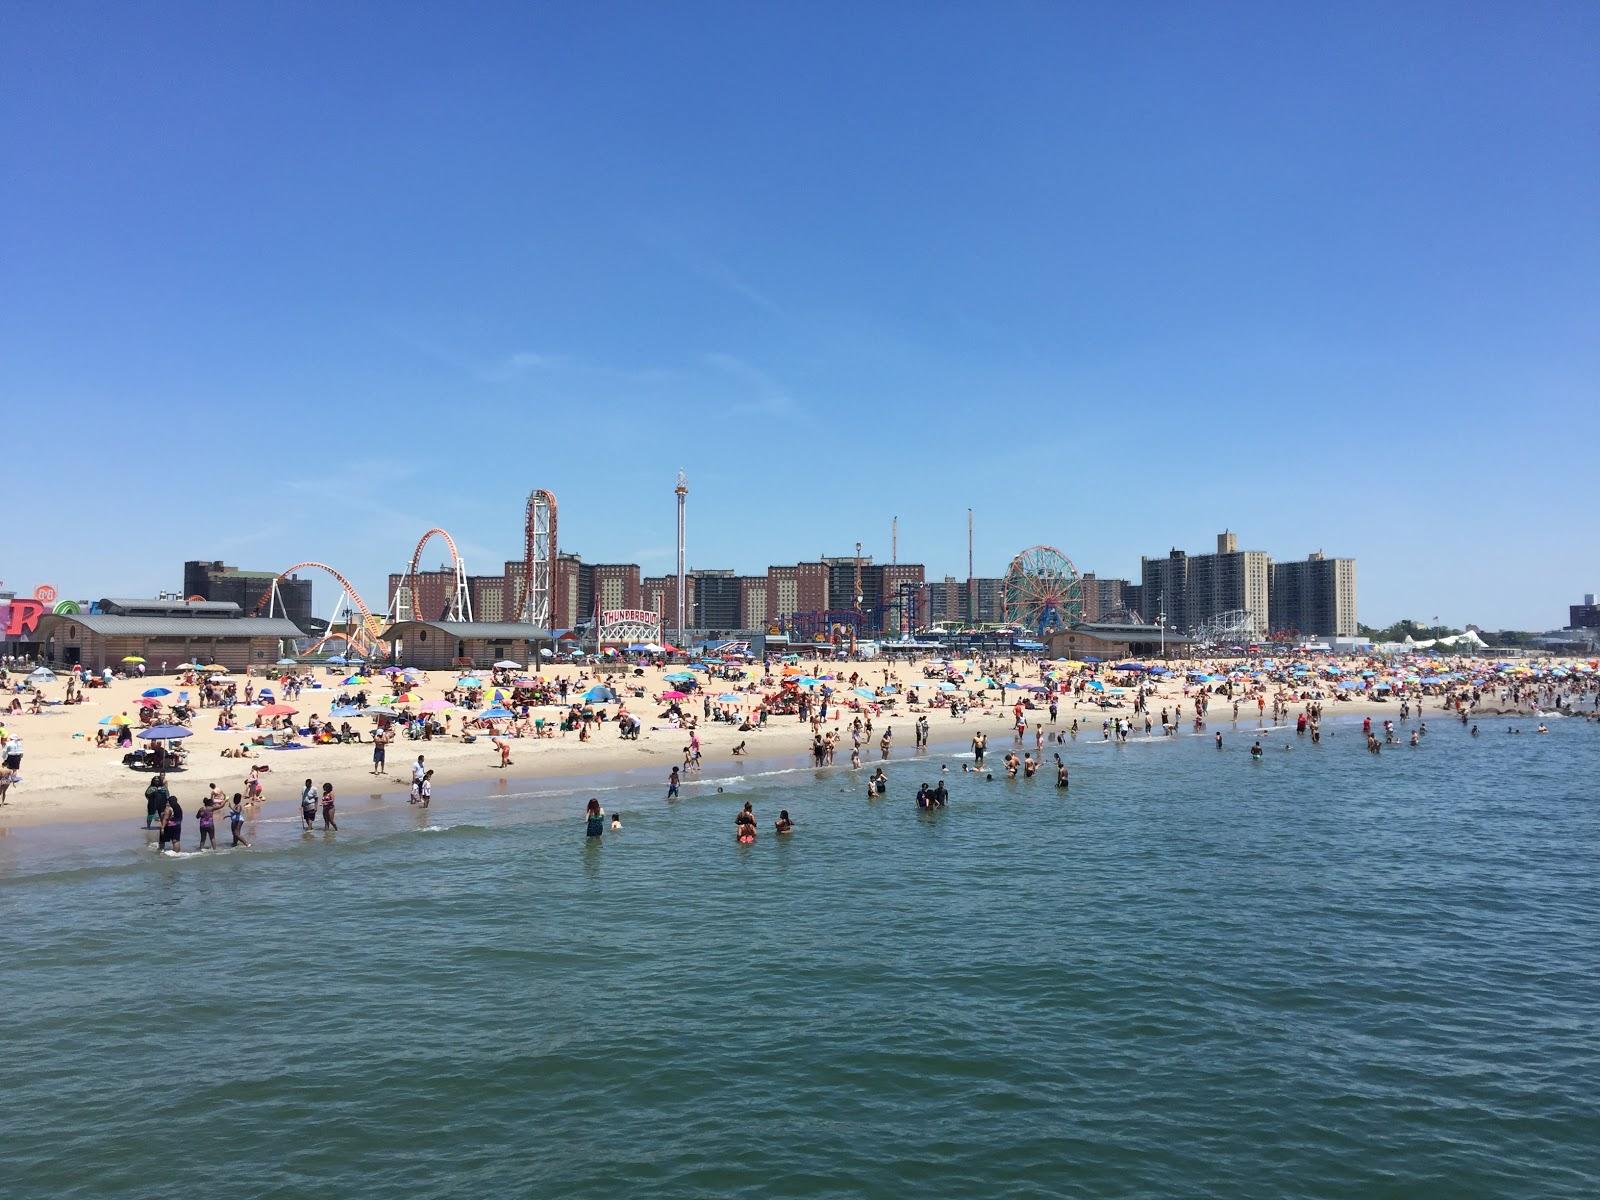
[(277, 710), (673, 696), (435, 706)]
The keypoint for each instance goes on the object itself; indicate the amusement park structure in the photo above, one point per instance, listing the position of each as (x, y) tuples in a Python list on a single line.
[(1043, 590), (1236, 626), (352, 621), (535, 589), (403, 604)]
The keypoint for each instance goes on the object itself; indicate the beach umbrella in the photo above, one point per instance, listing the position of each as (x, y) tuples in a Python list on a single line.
[(119, 719), (213, 667), (505, 664), (156, 691), (497, 713), (1097, 685), (379, 711), (866, 693), (132, 658), (599, 693), (277, 710), (728, 698), (947, 686), (186, 666), (668, 696), (286, 662), (469, 681), (678, 677), (435, 705), (353, 680), (41, 675), (165, 733), (347, 710), (546, 652), (1090, 658), (338, 660)]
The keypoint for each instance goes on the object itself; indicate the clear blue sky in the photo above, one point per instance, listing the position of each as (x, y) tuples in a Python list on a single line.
[(298, 281)]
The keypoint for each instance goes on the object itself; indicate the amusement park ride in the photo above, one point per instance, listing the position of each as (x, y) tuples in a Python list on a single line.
[(1043, 590), (355, 625)]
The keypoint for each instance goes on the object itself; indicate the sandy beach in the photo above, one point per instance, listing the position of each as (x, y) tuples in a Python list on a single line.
[(65, 777)]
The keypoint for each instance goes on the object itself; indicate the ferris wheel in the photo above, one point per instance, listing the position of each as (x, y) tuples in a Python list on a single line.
[(1043, 590)]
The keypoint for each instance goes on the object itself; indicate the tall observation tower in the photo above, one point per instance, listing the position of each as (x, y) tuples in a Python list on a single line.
[(682, 492)]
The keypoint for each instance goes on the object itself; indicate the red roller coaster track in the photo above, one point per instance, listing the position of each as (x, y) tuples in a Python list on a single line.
[(416, 559)]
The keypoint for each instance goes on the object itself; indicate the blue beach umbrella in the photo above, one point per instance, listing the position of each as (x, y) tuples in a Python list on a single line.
[(338, 660), (866, 693), (678, 677), (595, 694), (497, 713), (153, 692), (947, 686), (728, 698), (1097, 685), (469, 681), (165, 733)]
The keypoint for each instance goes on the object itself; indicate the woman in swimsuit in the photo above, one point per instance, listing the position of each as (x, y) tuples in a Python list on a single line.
[(744, 825), (171, 825), (327, 808), (236, 819), (783, 824), (208, 821), (595, 819)]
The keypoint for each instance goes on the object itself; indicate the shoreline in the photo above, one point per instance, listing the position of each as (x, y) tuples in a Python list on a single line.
[(67, 781)]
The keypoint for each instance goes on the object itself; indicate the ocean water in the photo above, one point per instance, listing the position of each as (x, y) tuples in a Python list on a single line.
[(1320, 975)]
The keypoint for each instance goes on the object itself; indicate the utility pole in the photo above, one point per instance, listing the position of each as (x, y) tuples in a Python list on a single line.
[(1162, 618), (894, 541), (682, 492), (854, 625), (972, 600)]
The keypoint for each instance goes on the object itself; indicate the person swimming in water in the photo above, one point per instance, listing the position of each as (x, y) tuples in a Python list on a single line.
[(616, 822), (922, 797), (783, 824), (744, 825), (1255, 751), (1063, 781)]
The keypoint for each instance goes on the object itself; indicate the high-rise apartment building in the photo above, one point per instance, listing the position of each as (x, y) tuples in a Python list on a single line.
[(216, 581), (1103, 596), (1191, 589), (716, 600), (1316, 595), (752, 602), (986, 600)]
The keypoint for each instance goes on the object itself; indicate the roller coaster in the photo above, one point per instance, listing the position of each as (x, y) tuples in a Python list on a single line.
[(355, 624)]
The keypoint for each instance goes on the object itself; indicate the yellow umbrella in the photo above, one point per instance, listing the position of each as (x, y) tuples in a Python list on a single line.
[(214, 667), (133, 658), (120, 719)]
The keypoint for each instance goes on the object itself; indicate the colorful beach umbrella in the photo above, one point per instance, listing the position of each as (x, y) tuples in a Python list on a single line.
[(156, 691)]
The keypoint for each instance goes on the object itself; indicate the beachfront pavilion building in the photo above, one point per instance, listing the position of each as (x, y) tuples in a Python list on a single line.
[(164, 633), (1108, 642), (443, 645)]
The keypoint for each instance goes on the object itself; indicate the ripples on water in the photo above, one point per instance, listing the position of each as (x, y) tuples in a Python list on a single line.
[(1320, 975)]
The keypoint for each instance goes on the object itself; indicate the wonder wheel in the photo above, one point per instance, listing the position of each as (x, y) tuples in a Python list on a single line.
[(1043, 590)]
